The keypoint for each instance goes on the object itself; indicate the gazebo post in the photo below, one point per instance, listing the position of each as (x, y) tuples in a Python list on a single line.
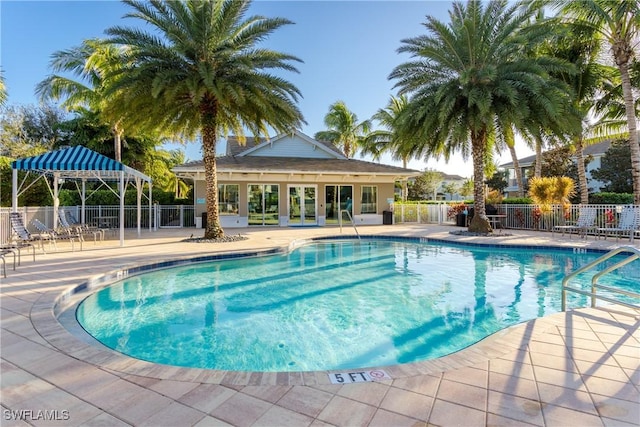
[(122, 190), (83, 196), (14, 191), (56, 199), (138, 202)]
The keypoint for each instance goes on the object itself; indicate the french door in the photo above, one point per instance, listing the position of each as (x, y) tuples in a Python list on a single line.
[(302, 205)]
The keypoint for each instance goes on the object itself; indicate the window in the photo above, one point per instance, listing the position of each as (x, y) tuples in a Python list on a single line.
[(228, 199), (369, 201)]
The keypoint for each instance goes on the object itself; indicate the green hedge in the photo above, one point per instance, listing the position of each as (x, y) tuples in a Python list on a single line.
[(108, 198), (611, 198)]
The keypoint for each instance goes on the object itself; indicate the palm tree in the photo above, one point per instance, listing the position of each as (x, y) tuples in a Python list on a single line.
[(390, 139), (344, 130), (618, 21), (582, 48), (90, 62), (471, 78), (201, 73)]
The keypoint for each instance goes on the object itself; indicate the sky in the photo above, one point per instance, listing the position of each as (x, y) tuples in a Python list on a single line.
[(348, 49)]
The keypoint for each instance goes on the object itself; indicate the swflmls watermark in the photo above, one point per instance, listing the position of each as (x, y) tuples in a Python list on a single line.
[(35, 415)]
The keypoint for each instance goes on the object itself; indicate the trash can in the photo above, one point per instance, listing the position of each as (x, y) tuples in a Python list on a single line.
[(198, 222), (204, 220), (387, 217)]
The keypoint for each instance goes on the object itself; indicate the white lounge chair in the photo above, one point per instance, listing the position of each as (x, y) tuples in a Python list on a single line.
[(629, 223), (68, 224), (586, 221), (53, 236)]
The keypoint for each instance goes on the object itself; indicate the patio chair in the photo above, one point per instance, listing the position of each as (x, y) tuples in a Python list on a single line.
[(4, 252), (53, 236), (629, 223), (83, 229), (22, 238), (586, 221)]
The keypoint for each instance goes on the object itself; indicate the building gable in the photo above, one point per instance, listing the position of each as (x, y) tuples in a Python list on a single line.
[(295, 145)]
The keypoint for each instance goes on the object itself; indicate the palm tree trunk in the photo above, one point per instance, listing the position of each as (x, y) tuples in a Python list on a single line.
[(480, 222), (117, 142), (209, 139), (518, 171), (582, 173), (405, 183), (538, 169), (633, 129)]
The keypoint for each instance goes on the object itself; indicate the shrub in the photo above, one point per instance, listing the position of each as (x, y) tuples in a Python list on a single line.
[(611, 198)]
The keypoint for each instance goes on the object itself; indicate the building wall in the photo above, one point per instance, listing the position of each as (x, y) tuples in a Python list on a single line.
[(385, 191)]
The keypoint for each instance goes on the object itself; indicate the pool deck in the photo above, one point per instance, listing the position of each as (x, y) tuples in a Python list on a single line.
[(579, 368)]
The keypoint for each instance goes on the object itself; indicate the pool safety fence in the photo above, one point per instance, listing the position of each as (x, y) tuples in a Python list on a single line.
[(519, 217)]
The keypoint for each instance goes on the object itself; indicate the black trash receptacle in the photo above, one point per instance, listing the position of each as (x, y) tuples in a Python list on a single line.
[(204, 220), (461, 219), (387, 217)]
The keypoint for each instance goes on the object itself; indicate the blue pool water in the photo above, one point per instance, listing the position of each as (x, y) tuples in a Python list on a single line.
[(334, 304)]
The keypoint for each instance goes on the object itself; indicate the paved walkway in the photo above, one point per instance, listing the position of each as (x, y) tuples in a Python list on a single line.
[(579, 368)]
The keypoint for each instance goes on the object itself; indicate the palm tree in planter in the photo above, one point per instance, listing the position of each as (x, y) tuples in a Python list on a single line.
[(473, 75), (201, 73)]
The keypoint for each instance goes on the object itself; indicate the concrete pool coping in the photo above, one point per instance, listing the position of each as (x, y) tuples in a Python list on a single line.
[(29, 327)]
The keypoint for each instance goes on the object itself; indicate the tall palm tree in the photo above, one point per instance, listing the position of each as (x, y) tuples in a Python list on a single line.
[(618, 21), (90, 63), (201, 73), (344, 130), (581, 47), (472, 77)]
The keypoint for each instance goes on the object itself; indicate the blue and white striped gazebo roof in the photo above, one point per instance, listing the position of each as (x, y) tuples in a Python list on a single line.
[(77, 162)]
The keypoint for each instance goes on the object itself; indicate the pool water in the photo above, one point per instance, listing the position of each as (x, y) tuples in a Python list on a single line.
[(335, 304)]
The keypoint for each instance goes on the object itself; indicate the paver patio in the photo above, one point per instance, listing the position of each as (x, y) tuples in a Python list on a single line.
[(568, 369)]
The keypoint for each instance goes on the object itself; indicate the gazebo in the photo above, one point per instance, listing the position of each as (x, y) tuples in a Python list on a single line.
[(81, 164)]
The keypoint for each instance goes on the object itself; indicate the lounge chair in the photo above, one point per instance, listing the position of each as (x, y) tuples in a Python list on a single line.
[(629, 223), (22, 238), (53, 236), (70, 226), (4, 252), (586, 221)]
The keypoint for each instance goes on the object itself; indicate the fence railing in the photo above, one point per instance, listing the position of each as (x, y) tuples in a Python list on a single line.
[(162, 216), (522, 217)]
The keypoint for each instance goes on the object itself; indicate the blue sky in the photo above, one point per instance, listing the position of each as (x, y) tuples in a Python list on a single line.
[(348, 49)]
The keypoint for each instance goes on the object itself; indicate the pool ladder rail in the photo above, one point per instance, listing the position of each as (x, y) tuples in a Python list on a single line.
[(634, 255), (351, 219)]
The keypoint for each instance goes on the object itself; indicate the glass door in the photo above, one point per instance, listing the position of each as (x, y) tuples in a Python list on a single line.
[(338, 198), (302, 205), (263, 204)]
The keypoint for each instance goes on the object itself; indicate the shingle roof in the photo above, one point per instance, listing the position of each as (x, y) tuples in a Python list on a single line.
[(599, 148), (288, 164)]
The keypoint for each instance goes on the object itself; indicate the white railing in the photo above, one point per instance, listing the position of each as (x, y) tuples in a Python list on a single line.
[(593, 293), (162, 216), (522, 217)]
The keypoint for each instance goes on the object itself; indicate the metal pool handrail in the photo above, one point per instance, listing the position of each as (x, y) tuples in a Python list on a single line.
[(635, 254), (351, 219)]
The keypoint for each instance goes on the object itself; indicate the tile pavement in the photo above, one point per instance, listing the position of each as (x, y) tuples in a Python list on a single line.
[(576, 368)]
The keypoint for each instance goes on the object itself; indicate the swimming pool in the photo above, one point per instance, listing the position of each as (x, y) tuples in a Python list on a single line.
[(334, 304)]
